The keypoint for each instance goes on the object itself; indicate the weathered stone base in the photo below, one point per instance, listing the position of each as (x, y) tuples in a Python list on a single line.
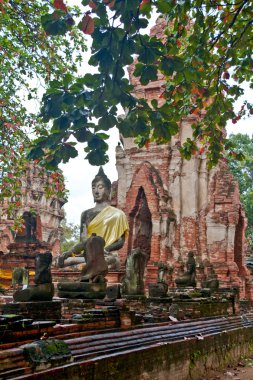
[(157, 290), (37, 310), (40, 292), (72, 306), (83, 290), (159, 309)]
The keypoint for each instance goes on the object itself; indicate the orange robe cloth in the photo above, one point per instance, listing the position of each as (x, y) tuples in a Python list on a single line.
[(110, 224)]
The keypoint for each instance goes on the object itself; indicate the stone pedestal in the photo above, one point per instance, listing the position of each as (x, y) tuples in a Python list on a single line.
[(157, 290), (83, 290), (37, 310), (40, 292)]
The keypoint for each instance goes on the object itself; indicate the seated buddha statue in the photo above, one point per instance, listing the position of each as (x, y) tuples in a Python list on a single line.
[(103, 220)]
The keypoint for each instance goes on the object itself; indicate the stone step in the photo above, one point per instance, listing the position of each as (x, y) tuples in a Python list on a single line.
[(106, 343), (89, 347)]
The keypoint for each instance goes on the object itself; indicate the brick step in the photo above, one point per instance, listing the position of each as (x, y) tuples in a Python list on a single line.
[(89, 347), (106, 343), (12, 374)]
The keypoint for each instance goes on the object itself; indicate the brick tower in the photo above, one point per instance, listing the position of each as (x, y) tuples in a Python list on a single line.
[(175, 206)]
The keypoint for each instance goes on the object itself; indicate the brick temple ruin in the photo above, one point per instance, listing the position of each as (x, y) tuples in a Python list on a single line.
[(175, 206), (42, 214)]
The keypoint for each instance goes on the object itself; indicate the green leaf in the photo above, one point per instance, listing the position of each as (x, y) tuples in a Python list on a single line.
[(141, 127), (138, 69), (97, 157), (55, 84), (68, 98), (67, 79), (35, 153), (147, 55), (82, 135), (167, 66), (99, 110), (154, 103), (54, 25), (67, 151), (78, 114), (105, 59), (95, 142), (62, 123), (91, 79), (103, 136), (52, 110), (107, 122), (164, 6), (148, 74)]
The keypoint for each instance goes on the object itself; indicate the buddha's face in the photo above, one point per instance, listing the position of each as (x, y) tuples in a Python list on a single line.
[(100, 191)]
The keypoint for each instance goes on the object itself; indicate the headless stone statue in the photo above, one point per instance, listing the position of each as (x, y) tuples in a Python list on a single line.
[(133, 283), (189, 277), (43, 290), (96, 267), (162, 270), (105, 221), (211, 282), (160, 288), (92, 283)]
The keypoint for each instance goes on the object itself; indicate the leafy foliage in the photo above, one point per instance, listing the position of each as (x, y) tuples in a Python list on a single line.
[(70, 235), (28, 57), (243, 172), (205, 56)]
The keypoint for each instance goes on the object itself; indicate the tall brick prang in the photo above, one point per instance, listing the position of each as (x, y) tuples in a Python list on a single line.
[(180, 206)]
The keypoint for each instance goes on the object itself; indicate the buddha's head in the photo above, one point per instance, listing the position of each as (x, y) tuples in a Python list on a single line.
[(101, 187)]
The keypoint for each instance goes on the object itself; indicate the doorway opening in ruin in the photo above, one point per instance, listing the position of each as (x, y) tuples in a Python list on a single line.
[(140, 224), (28, 231), (238, 243)]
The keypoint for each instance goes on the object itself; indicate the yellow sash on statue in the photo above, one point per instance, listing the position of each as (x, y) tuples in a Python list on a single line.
[(110, 224)]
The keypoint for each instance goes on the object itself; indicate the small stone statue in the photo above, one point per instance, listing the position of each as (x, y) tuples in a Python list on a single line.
[(133, 283), (43, 290), (19, 277), (189, 277), (211, 282), (160, 288), (162, 270)]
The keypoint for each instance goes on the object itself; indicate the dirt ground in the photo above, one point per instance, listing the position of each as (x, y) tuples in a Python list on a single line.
[(242, 371)]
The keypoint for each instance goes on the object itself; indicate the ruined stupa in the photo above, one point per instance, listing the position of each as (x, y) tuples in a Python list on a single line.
[(175, 206)]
